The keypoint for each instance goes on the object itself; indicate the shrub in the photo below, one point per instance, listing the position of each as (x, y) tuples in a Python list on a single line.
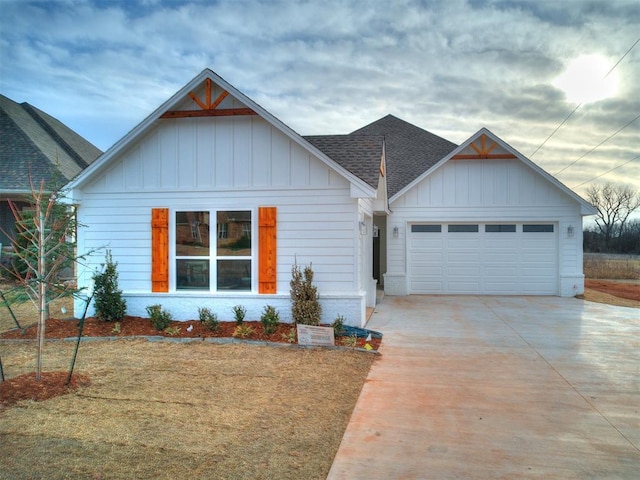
[(350, 341), (110, 306), (270, 319), (208, 318), (291, 336), (242, 331), (305, 308), (338, 326), (172, 331), (239, 312), (160, 318)]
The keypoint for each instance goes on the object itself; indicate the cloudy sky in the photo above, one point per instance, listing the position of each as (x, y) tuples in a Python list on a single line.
[(517, 67)]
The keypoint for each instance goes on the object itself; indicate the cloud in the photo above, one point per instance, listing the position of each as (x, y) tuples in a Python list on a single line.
[(450, 67)]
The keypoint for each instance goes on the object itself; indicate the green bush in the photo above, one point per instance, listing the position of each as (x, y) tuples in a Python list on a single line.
[(305, 308), (239, 312), (109, 304), (270, 319), (338, 325), (160, 318), (208, 318)]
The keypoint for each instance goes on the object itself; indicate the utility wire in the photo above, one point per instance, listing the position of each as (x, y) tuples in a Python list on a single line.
[(594, 148), (610, 170), (580, 104)]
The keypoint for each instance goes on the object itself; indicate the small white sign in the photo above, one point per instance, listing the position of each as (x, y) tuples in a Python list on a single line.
[(316, 336)]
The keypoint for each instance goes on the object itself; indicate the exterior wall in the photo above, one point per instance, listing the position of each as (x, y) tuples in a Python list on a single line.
[(486, 190), (233, 163)]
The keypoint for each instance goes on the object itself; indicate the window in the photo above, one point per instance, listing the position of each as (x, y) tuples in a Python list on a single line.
[(463, 228), (499, 228), (426, 228), (537, 228), (227, 264)]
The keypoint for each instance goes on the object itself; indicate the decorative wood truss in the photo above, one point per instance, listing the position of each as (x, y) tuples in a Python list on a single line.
[(483, 151), (207, 107)]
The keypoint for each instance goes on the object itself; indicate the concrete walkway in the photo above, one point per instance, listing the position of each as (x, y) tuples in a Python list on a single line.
[(498, 387)]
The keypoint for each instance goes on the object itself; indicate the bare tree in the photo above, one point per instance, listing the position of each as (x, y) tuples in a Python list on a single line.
[(42, 246), (614, 204)]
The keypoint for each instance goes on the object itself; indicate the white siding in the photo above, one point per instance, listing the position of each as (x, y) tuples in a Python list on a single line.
[(486, 191), (228, 163)]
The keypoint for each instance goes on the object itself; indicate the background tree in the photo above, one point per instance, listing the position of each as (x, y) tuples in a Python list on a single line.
[(44, 244), (614, 203)]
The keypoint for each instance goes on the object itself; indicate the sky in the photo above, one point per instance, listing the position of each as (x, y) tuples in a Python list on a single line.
[(558, 80)]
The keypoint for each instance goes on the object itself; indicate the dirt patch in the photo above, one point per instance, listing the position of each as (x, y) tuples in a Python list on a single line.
[(628, 290), (603, 297)]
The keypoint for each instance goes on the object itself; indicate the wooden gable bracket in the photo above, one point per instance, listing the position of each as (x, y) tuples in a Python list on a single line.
[(207, 108), (483, 151)]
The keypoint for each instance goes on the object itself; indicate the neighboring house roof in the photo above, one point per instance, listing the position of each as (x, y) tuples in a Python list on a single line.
[(409, 150), (360, 154), (34, 146)]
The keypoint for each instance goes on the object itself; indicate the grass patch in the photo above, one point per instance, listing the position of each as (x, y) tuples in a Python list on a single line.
[(26, 312), (197, 410), (614, 267)]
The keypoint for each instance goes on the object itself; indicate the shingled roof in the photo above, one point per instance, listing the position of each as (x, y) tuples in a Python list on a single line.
[(410, 151), (359, 154), (35, 146)]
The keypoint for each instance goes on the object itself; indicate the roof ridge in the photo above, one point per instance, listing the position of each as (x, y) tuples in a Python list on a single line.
[(75, 156)]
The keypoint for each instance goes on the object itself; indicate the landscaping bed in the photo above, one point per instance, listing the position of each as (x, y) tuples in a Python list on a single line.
[(131, 326)]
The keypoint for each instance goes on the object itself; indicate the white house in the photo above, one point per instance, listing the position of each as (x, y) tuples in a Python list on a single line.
[(210, 201)]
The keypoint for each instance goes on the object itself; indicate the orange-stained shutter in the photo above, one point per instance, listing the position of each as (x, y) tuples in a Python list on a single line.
[(267, 250), (160, 250)]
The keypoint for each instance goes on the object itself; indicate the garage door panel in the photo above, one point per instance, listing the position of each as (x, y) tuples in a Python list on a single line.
[(503, 262)]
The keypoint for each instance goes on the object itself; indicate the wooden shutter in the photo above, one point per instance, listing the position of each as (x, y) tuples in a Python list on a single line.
[(267, 264), (160, 250)]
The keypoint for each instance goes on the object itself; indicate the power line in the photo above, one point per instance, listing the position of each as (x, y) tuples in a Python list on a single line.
[(608, 171), (580, 104), (557, 128), (594, 148)]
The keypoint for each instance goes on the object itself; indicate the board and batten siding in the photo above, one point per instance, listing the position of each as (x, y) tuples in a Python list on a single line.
[(234, 164), (499, 191)]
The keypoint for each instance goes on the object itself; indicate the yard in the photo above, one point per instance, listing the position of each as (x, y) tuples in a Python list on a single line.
[(182, 410)]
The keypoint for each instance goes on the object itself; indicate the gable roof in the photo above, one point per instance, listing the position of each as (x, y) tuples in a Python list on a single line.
[(409, 150), (36, 146), (360, 154), (171, 109), (476, 147)]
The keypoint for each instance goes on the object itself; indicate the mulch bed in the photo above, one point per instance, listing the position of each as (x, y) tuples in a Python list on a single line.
[(138, 326), (26, 387)]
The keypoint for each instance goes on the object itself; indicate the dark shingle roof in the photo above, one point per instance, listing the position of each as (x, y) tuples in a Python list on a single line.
[(410, 151), (359, 154), (35, 146)]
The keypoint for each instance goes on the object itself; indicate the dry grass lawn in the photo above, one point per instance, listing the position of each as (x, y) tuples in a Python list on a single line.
[(176, 410), (617, 267)]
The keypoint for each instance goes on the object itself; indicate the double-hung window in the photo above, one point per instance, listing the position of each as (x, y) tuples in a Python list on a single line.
[(213, 250)]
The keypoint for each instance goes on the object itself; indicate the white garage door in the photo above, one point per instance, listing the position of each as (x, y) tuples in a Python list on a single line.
[(483, 258)]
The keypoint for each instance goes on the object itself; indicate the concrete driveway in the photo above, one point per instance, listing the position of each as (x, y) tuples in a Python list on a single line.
[(498, 387)]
